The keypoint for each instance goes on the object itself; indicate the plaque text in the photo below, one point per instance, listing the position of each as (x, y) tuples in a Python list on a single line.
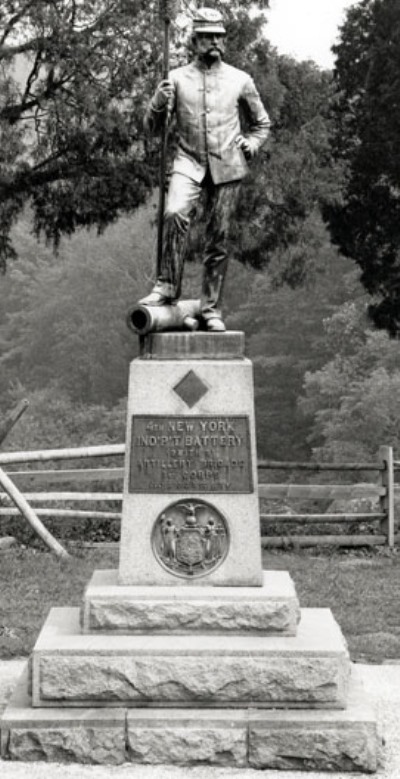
[(190, 454)]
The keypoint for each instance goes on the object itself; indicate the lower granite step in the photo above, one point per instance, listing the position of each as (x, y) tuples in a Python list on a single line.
[(298, 739), (308, 670)]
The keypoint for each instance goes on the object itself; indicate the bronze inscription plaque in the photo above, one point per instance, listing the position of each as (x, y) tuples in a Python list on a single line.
[(174, 454)]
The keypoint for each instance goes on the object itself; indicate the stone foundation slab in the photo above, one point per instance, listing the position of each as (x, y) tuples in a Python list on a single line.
[(71, 669), (267, 610), (317, 741), (186, 738), (324, 740), (61, 735)]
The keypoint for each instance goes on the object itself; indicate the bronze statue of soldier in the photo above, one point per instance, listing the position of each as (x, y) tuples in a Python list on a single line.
[(204, 97)]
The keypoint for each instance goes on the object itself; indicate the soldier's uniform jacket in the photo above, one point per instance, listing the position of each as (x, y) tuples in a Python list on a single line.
[(206, 104)]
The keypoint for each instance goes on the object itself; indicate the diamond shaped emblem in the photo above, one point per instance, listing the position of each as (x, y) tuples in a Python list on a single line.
[(190, 389)]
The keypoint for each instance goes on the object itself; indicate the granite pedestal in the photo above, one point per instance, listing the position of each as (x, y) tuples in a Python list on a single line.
[(190, 653), (191, 436)]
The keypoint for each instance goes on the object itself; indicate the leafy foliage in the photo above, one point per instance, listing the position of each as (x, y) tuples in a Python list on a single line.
[(354, 398), (366, 222), (72, 84)]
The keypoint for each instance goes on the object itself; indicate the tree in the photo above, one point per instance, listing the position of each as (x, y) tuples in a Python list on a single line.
[(354, 399), (365, 223), (71, 84), (74, 77)]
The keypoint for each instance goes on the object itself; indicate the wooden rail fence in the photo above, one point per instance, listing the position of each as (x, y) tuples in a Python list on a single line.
[(21, 490), (381, 492)]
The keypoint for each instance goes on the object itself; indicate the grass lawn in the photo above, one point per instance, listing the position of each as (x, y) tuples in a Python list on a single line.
[(362, 589)]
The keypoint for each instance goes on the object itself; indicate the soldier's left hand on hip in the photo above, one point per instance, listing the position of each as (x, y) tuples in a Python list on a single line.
[(244, 144)]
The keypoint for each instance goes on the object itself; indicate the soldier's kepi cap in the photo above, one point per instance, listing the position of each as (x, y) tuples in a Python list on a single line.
[(208, 20)]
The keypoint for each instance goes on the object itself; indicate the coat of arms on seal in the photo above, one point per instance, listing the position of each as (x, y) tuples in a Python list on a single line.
[(190, 538)]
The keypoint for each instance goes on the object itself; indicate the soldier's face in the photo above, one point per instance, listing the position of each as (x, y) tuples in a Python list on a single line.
[(210, 45)]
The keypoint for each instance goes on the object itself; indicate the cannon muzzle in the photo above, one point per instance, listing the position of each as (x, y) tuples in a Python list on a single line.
[(183, 315)]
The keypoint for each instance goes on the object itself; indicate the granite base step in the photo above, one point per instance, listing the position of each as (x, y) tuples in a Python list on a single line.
[(73, 669), (308, 740), (267, 610), (62, 735)]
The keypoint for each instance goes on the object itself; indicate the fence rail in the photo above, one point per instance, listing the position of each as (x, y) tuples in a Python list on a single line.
[(320, 491), (45, 455), (23, 478), (382, 491), (321, 518), (279, 465)]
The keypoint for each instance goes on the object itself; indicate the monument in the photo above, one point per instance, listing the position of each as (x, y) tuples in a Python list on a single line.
[(190, 652)]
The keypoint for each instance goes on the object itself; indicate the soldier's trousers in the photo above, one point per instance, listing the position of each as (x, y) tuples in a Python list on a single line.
[(183, 196)]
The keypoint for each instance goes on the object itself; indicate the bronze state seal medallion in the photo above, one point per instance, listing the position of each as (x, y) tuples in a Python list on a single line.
[(190, 538)]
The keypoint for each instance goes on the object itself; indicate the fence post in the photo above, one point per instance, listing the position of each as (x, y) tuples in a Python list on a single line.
[(387, 500), (29, 514)]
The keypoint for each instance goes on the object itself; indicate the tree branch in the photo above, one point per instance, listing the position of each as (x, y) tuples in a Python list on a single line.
[(32, 76), (13, 113), (42, 40), (7, 52), (15, 19), (57, 169)]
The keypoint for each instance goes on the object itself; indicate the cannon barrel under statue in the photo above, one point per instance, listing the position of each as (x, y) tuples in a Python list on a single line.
[(183, 315)]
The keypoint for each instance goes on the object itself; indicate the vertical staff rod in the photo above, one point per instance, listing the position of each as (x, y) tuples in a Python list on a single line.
[(161, 199)]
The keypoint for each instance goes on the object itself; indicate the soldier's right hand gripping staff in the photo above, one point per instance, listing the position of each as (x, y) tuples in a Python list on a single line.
[(205, 97)]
